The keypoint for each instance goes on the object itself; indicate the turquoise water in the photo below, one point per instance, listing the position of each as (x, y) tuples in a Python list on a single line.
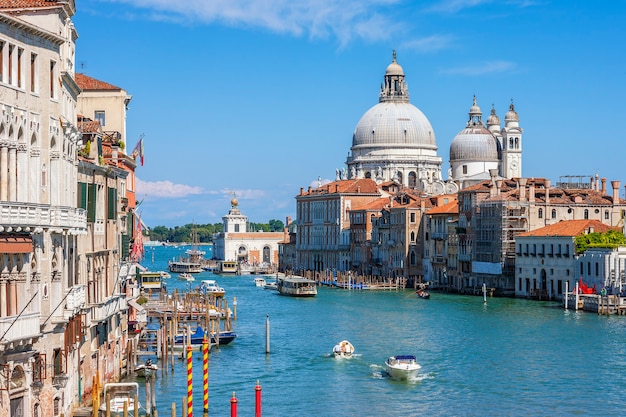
[(506, 358)]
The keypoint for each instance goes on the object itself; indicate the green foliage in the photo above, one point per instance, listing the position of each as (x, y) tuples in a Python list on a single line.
[(610, 239), (204, 233)]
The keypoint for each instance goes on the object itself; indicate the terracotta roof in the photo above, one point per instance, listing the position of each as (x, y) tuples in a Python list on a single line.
[(86, 82), (451, 208), (21, 4), (353, 186), (570, 228)]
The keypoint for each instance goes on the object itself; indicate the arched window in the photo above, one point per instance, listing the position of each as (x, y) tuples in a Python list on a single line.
[(412, 179), (540, 213), (412, 258), (412, 236), (554, 213), (586, 216), (510, 143), (516, 143)]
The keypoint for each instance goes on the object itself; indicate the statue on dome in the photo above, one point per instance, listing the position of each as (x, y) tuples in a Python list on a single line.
[(352, 172)]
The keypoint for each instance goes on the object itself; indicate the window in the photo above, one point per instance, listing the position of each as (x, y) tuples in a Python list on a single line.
[(39, 368), (99, 116), (112, 206), (33, 73), (464, 169), (412, 217), (606, 214), (20, 68), (52, 76), (586, 214), (1, 61), (597, 269), (10, 64), (554, 213), (540, 213), (60, 366)]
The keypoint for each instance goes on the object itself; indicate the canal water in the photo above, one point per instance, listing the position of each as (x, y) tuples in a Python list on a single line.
[(507, 357)]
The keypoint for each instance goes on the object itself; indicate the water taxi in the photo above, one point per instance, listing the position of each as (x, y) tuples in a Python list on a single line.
[(295, 286)]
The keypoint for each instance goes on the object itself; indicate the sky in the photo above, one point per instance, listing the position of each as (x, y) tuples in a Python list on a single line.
[(259, 98)]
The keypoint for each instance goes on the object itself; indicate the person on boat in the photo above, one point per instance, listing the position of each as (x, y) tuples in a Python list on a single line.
[(338, 348)]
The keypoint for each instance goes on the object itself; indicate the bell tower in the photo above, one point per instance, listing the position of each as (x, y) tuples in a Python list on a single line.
[(512, 145)]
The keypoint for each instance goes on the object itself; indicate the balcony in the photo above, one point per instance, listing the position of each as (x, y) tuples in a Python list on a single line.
[(14, 329), (75, 300), (27, 215), (107, 309), (439, 235)]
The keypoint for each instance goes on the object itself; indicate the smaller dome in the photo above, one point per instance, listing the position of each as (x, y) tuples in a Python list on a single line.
[(493, 118), (474, 143), (394, 69), (511, 115)]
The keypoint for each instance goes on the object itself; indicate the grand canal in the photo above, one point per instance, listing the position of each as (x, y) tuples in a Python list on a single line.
[(507, 357)]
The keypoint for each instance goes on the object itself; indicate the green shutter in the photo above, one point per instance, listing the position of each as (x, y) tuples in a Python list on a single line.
[(82, 195), (112, 206), (91, 203)]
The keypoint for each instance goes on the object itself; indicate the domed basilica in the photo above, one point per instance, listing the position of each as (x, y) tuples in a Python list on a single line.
[(394, 141)]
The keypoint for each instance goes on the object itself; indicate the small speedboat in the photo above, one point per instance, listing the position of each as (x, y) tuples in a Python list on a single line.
[(423, 294), (343, 349), (209, 286), (259, 281), (402, 367), (146, 369), (185, 276), (270, 285)]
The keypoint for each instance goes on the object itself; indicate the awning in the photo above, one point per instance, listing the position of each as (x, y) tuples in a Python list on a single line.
[(134, 304), (16, 244)]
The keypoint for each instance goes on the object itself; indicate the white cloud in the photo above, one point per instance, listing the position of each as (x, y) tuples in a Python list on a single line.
[(482, 69), (429, 43), (165, 189), (344, 19)]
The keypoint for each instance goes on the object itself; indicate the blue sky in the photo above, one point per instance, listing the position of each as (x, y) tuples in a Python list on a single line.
[(260, 97)]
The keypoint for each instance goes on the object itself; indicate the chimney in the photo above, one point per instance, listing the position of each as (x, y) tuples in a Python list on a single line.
[(301, 190), (615, 185), (522, 189), (309, 190), (531, 193), (547, 186), (358, 189), (498, 186), (336, 188), (603, 186)]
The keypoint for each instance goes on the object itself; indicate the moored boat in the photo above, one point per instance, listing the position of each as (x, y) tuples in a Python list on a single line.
[(423, 294), (402, 367), (297, 287), (270, 285), (343, 349), (227, 267), (196, 339), (209, 286), (259, 281), (120, 394)]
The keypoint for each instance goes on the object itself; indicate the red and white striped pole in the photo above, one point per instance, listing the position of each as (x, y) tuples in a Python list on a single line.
[(189, 382)]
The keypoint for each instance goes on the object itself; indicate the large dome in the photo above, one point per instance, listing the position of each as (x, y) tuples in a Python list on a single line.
[(394, 123), (474, 143)]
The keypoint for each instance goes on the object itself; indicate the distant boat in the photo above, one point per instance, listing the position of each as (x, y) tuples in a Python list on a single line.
[(185, 276), (270, 285), (193, 260), (152, 281), (197, 338), (209, 286), (402, 367), (227, 267), (343, 349), (297, 287), (423, 294), (259, 281)]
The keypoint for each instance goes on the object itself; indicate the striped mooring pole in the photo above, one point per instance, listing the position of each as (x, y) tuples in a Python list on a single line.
[(205, 373), (189, 382)]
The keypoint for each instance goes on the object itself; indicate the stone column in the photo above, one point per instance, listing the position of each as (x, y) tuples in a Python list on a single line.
[(4, 170), (12, 172)]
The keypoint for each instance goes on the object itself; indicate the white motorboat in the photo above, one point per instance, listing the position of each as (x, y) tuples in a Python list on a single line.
[(209, 286), (120, 394), (402, 367), (185, 276), (270, 285), (343, 349), (147, 369), (259, 281)]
